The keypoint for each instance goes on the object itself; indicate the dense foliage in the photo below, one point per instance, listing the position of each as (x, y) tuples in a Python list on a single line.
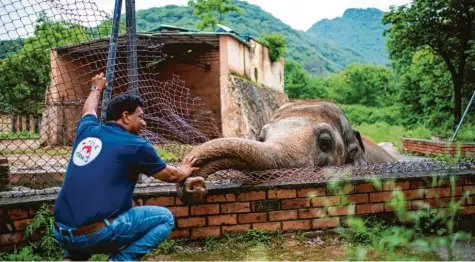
[(211, 12), (444, 29)]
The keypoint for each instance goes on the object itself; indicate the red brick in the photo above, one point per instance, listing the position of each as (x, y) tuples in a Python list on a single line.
[(338, 211), (249, 196), (471, 189), (365, 188), (202, 232), (236, 228), (417, 184), (326, 222), (443, 192), (179, 211), (471, 200), (191, 222), (221, 198), (179, 233), (283, 215), (380, 197), (236, 207), (296, 225), (420, 204), (282, 193), (468, 210), (295, 203), (326, 201), (17, 213), (389, 208), (178, 202), (252, 218), (413, 194), (311, 192), (6, 239), (469, 181), (222, 220), (370, 208), (205, 209), (21, 224), (356, 198), (311, 213), (271, 226), (390, 186), (161, 201), (447, 183), (345, 190)]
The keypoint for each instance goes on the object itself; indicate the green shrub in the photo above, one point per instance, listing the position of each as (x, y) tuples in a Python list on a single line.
[(359, 114)]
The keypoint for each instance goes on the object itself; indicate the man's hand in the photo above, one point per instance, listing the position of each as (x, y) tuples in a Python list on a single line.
[(99, 81), (92, 101), (187, 167), (177, 175)]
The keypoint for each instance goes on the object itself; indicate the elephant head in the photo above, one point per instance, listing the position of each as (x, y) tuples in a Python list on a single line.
[(299, 135)]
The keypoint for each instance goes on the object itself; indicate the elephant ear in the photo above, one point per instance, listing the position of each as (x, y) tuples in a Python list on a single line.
[(360, 141)]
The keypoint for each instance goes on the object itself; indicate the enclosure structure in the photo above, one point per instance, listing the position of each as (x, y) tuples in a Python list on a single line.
[(206, 64)]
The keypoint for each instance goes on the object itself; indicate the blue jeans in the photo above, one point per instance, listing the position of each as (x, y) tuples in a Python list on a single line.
[(129, 237)]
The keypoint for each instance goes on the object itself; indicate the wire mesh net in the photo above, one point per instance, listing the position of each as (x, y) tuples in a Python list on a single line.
[(50, 50)]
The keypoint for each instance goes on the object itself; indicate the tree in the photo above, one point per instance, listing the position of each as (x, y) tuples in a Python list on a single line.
[(212, 12), (277, 45), (298, 84), (445, 26), (25, 75), (368, 85)]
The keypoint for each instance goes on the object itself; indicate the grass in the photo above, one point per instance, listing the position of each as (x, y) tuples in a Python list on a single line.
[(19, 135)]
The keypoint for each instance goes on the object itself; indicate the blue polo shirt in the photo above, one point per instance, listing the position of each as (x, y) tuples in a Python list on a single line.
[(102, 172)]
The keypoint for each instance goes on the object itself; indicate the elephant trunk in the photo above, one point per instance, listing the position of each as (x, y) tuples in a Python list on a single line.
[(228, 153)]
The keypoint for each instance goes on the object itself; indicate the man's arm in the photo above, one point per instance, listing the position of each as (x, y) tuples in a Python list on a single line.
[(176, 175), (90, 106)]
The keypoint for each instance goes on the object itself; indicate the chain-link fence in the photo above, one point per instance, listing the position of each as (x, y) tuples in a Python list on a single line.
[(49, 51)]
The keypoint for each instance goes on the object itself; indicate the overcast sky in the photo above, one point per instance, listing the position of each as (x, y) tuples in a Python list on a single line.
[(17, 17), (299, 14)]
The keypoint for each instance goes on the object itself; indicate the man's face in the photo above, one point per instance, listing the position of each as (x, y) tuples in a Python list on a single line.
[(135, 122)]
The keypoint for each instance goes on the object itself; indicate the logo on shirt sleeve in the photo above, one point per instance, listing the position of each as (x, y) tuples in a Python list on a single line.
[(86, 151)]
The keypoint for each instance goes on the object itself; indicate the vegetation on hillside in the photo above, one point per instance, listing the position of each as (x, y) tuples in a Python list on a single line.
[(358, 29)]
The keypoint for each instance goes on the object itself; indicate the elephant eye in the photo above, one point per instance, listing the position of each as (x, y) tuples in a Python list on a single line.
[(325, 143)]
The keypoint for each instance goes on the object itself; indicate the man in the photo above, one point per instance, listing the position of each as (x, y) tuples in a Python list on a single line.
[(93, 212)]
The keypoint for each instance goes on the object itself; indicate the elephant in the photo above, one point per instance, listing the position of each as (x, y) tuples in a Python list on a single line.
[(300, 134)]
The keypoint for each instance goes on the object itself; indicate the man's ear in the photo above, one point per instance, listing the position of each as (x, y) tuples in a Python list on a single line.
[(125, 117), (360, 141)]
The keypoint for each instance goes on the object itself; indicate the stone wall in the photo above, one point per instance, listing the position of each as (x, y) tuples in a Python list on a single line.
[(285, 207), (430, 147), (247, 106)]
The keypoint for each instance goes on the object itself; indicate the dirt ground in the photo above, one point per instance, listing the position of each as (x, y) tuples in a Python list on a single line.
[(287, 247)]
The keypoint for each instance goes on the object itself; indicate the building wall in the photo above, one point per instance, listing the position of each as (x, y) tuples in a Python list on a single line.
[(202, 83), (252, 62)]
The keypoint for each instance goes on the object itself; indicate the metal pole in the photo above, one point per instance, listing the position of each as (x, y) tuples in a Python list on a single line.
[(132, 48), (111, 58), (461, 120)]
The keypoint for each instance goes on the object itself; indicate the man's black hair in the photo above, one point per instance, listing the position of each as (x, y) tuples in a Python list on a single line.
[(122, 103)]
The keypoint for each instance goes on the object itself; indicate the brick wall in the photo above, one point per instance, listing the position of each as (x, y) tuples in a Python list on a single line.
[(234, 208), (430, 147)]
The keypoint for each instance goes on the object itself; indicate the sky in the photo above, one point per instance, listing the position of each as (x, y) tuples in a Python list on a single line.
[(17, 17), (299, 14)]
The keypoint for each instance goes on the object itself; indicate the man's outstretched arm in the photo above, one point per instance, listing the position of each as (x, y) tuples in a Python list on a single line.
[(177, 174), (92, 102)]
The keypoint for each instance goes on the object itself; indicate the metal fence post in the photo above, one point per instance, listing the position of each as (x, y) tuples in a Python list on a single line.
[(132, 48), (111, 58), (461, 120)]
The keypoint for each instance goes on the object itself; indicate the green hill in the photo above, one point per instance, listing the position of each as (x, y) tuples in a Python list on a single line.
[(319, 57), (314, 50), (358, 29)]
